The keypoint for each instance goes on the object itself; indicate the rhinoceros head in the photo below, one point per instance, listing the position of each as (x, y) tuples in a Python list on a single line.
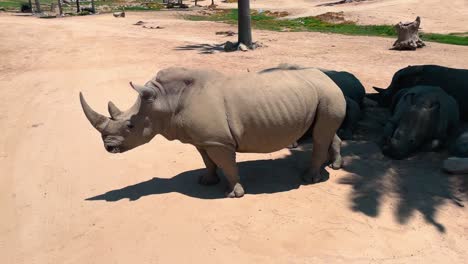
[(415, 128), (124, 130)]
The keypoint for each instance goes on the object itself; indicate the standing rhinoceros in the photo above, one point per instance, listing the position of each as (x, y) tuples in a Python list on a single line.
[(423, 116), (221, 115), (453, 81)]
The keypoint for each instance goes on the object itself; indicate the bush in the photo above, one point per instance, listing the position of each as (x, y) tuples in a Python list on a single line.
[(25, 8)]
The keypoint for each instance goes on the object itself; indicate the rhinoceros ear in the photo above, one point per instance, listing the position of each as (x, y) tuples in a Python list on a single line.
[(113, 110), (146, 93)]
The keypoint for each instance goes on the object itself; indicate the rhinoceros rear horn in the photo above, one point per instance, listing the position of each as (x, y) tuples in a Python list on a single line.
[(146, 93), (113, 110), (97, 120), (379, 90)]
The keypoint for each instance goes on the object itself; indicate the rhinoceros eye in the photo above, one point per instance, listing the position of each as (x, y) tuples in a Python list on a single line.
[(129, 125)]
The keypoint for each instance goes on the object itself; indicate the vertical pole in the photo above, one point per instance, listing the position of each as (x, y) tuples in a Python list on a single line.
[(245, 33), (38, 7)]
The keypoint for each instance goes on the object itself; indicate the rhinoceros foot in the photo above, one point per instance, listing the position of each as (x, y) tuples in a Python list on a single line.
[(236, 192), (337, 163), (311, 176), (209, 179)]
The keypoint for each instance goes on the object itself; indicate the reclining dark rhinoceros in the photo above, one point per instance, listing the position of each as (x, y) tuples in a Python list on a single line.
[(352, 89), (424, 117), (453, 81), (221, 115)]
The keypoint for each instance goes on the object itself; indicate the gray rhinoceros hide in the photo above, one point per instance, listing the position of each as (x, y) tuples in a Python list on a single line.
[(221, 115), (352, 89), (423, 118), (452, 81)]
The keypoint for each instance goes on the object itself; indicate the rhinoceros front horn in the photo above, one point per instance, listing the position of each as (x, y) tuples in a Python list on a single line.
[(97, 120), (113, 110)]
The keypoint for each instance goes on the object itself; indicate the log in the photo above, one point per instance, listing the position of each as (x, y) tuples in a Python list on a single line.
[(408, 36)]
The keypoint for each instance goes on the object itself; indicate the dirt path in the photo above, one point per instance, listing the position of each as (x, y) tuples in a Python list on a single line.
[(66, 200)]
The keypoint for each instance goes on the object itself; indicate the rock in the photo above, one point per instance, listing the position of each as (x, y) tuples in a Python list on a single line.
[(119, 14), (455, 165), (243, 47)]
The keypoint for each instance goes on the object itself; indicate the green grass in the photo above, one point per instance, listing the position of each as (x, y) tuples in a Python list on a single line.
[(140, 8), (265, 22), (114, 4), (17, 3)]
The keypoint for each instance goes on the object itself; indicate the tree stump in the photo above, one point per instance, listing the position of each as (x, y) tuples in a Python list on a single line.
[(408, 36)]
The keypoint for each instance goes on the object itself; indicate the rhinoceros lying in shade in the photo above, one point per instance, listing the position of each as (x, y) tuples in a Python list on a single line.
[(352, 89), (453, 81), (221, 115), (423, 117)]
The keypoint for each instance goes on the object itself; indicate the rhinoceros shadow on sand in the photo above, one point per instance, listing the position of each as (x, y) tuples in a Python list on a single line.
[(261, 176)]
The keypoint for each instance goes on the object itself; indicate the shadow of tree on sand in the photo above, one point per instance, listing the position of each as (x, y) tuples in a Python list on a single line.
[(203, 48), (417, 184)]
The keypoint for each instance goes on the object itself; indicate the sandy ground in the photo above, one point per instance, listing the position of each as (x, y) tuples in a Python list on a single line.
[(437, 16), (64, 199)]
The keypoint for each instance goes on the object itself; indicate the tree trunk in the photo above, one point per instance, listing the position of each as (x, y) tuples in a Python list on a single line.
[(93, 7), (31, 6), (212, 2), (59, 2), (38, 6), (77, 6), (408, 36), (245, 33)]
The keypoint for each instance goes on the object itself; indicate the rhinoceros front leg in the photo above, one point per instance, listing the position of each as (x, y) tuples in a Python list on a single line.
[(225, 159), (210, 177)]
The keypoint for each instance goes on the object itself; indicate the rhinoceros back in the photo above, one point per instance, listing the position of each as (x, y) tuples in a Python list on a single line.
[(268, 111)]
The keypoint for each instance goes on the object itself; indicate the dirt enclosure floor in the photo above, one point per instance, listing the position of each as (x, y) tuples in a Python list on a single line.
[(64, 199)]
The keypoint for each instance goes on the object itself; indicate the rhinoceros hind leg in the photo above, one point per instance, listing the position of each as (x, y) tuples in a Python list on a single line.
[(335, 153), (323, 135), (225, 159), (210, 177)]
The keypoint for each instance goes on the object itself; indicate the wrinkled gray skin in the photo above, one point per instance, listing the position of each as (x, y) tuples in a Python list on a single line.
[(453, 81), (353, 91), (423, 118), (221, 115)]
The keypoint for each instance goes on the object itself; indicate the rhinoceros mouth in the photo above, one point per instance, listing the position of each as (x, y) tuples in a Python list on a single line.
[(112, 149)]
